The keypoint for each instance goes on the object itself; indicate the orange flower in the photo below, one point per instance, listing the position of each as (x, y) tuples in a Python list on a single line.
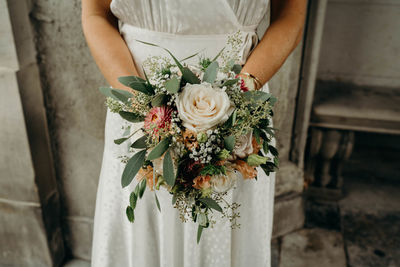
[(148, 174), (202, 182), (247, 171), (190, 139), (256, 146)]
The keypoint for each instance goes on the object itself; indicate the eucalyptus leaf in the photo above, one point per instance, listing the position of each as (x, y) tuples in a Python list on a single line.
[(142, 187), (265, 147), (159, 150), (106, 91), (230, 64), (140, 143), (229, 142), (202, 218), (157, 202), (133, 200), (210, 73), (257, 95), (168, 169), (174, 198), (120, 140), (132, 167), (172, 85), (142, 87), (189, 76), (130, 116), (199, 232), (126, 80), (121, 95), (159, 100), (230, 82), (211, 203), (130, 214), (237, 68)]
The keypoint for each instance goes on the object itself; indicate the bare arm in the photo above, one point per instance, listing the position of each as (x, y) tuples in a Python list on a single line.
[(281, 38), (108, 48)]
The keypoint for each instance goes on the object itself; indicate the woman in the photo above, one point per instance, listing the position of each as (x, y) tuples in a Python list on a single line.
[(183, 26)]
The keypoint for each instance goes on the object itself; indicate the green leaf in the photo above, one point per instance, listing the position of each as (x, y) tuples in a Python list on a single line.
[(126, 80), (230, 64), (172, 85), (257, 95), (121, 95), (202, 219), (142, 87), (199, 232), (234, 115), (265, 147), (159, 150), (229, 142), (189, 76), (219, 53), (237, 68), (142, 187), (173, 57), (130, 116), (106, 91), (186, 58), (120, 140), (159, 100), (157, 202), (273, 150), (132, 200), (137, 190), (140, 143), (211, 203), (256, 133), (130, 214), (174, 198), (230, 82), (210, 73), (132, 167), (168, 169)]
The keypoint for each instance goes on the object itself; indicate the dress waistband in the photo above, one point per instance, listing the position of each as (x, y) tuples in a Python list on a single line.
[(250, 38)]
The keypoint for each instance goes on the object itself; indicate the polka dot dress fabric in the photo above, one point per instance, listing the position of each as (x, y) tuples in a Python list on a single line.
[(161, 239)]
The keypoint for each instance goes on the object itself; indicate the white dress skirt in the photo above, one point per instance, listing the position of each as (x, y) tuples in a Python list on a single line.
[(160, 238)]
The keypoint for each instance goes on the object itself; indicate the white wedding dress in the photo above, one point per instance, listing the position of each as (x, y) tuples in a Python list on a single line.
[(160, 238)]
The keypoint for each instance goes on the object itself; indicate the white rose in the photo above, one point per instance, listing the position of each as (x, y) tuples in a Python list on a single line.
[(201, 107), (222, 183), (244, 145)]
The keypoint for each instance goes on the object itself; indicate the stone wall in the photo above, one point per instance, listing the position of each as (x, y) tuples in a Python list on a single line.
[(76, 118), (360, 43)]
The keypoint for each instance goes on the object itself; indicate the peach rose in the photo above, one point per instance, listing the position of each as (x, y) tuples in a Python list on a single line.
[(247, 171), (202, 182)]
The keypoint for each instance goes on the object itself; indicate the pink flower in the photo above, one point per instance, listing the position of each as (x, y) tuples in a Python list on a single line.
[(158, 118), (243, 86)]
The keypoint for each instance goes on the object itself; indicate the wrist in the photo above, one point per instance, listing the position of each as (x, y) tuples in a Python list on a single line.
[(250, 81)]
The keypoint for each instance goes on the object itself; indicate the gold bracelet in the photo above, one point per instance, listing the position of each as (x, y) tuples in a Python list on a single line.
[(257, 81)]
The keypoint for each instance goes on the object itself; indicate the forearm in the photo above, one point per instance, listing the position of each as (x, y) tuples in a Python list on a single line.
[(108, 48), (281, 38)]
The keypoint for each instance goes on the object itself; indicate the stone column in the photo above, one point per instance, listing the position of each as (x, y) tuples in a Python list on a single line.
[(29, 202)]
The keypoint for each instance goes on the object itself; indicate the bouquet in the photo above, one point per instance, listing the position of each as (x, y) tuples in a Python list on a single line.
[(203, 129)]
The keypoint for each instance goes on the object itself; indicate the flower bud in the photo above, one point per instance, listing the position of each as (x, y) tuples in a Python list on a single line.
[(256, 160)]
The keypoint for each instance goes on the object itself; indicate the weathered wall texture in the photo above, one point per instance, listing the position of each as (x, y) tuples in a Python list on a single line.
[(360, 42), (76, 115)]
